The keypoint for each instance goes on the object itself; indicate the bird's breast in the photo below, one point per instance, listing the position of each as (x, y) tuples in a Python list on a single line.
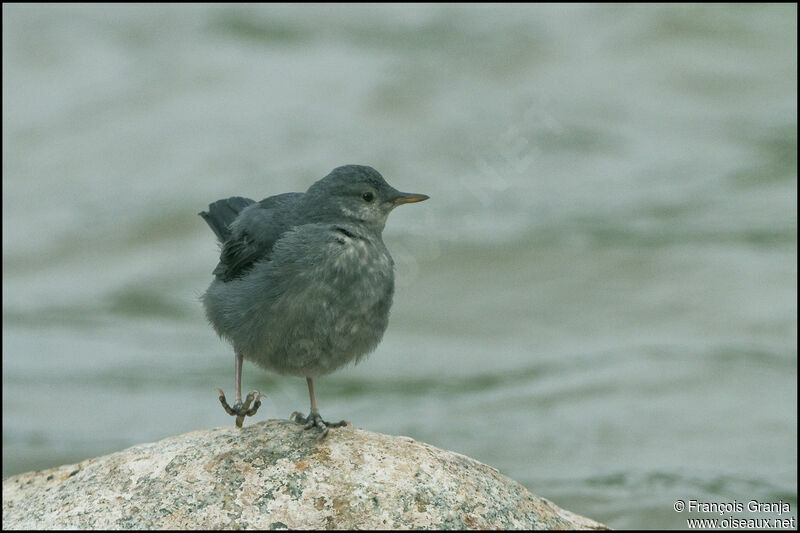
[(358, 261), (325, 301)]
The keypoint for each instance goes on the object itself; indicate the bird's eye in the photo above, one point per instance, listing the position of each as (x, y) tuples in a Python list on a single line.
[(368, 196)]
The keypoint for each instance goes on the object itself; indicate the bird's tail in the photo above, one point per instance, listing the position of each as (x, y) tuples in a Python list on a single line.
[(221, 213)]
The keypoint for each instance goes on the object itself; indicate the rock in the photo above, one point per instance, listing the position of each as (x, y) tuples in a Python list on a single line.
[(275, 475)]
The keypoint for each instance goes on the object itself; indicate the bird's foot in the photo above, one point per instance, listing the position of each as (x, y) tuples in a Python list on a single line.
[(314, 419), (239, 409)]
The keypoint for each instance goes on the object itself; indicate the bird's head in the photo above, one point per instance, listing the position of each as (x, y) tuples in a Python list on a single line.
[(356, 194)]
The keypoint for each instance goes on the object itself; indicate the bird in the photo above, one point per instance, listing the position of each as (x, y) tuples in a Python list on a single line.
[(304, 282)]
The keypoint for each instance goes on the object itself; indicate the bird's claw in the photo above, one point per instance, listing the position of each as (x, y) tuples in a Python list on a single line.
[(314, 419), (239, 409)]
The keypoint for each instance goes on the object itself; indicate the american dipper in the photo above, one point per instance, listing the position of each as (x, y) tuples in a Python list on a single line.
[(304, 281)]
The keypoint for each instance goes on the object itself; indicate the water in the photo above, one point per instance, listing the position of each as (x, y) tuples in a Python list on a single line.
[(599, 299)]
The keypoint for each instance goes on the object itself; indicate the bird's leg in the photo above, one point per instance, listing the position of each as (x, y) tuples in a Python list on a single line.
[(314, 419), (239, 409)]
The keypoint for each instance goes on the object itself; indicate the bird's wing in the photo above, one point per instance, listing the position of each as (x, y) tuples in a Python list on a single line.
[(253, 234)]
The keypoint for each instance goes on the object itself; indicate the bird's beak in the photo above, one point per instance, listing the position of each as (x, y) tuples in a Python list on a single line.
[(409, 198)]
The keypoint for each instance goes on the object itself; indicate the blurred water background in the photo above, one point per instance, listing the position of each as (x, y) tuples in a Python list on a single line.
[(599, 299)]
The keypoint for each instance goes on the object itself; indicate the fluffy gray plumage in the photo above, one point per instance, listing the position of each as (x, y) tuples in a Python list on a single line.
[(304, 283)]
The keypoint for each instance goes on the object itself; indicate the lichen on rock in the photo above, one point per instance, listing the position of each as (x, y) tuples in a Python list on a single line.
[(275, 475)]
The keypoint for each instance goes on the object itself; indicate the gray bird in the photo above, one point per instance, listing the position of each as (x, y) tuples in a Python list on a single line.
[(304, 281)]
